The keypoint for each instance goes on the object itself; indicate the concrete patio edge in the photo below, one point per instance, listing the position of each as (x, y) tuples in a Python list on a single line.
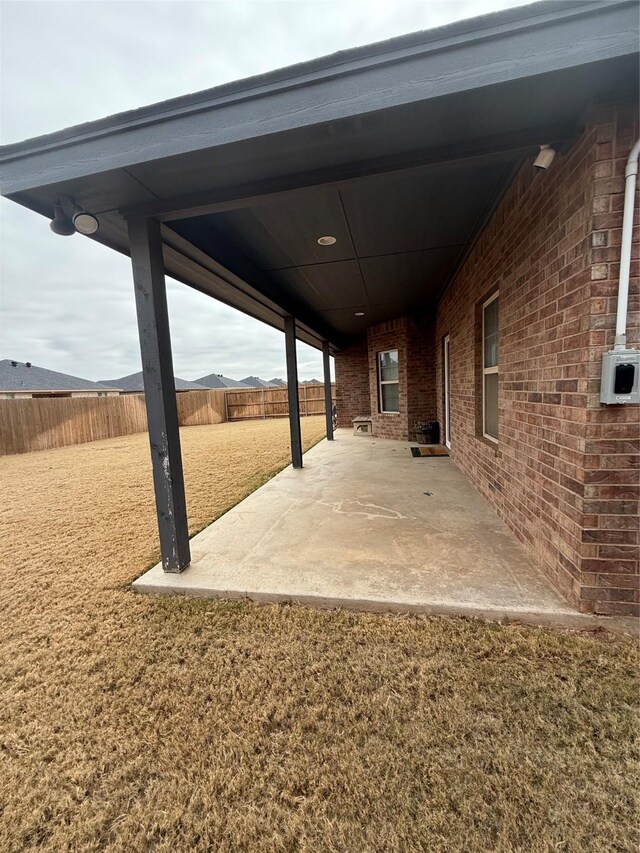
[(569, 620)]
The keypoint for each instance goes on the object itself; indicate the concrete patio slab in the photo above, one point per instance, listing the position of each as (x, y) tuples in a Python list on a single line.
[(365, 525)]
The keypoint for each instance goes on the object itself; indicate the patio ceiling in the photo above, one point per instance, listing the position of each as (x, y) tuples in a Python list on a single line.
[(399, 237), (400, 150)]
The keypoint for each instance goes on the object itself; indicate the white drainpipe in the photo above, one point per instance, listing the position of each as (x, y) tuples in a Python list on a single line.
[(625, 251)]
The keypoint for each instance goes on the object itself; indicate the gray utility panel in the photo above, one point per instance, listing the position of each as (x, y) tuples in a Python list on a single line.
[(620, 382)]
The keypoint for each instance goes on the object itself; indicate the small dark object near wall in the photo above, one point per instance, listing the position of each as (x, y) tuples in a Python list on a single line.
[(427, 432)]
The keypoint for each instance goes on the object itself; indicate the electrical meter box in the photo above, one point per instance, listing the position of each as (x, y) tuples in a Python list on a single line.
[(620, 383)]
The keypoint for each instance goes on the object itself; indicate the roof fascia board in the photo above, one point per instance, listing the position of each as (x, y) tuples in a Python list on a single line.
[(275, 106), (304, 73), (344, 62)]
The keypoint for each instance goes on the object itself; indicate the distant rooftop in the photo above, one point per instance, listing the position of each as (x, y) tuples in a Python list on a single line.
[(217, 380), (134, 382), (255, 382), (24, 377)]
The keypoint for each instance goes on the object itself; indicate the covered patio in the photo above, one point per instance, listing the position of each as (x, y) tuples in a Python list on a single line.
[(367, 526), (326, 199)]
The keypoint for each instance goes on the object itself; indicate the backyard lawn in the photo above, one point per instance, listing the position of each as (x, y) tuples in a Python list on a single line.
[(134, 723)]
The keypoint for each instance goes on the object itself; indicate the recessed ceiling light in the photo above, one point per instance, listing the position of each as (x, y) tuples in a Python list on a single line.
[(359, 313), (326, 241)]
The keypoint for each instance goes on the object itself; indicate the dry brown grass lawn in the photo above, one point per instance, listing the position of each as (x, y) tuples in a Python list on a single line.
[(132, 723)]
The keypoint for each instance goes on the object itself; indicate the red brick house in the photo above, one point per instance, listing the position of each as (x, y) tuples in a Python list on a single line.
[(383, 205), (562, 470)]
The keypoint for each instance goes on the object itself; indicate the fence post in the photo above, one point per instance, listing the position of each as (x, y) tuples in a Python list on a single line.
[(264, 410)]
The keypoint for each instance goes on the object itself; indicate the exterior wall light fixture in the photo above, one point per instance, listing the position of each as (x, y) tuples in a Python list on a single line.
[(544, 158), (69, 217)]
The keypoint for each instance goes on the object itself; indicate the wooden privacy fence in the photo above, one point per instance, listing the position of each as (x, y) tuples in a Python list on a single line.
[(262, 403), (42, 423), (47, 422)]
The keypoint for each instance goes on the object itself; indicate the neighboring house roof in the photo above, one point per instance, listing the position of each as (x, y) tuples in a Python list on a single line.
[(278, 383), (134, 382), (255, 382), (312, 382), (217, 380), (25, 377)]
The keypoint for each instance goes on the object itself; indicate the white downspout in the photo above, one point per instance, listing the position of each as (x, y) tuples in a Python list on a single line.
[(625, 250)]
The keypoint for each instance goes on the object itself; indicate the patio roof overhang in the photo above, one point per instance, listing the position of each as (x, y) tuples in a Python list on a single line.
[(400, 150)]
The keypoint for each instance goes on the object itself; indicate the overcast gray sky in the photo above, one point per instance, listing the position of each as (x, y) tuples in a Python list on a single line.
[(67, 303)]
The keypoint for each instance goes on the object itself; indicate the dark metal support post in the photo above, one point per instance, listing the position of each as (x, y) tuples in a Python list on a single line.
[(328, 403), (292, 391), (160, 393)]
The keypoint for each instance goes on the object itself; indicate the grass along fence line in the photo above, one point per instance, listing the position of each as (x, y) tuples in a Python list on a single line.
[(52, 422)]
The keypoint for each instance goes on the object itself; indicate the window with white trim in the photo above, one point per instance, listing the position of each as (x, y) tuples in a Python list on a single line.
[(490, 359), (388, 381)]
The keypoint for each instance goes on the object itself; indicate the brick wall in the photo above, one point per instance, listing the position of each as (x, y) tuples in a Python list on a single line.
[(352, 382), (357, 377), (421, 374), (612, 434), (389, 336), (564, 475)]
